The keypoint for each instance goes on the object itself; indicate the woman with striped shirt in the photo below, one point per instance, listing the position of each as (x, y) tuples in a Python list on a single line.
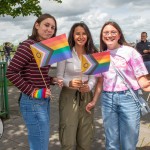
[(24, 73)]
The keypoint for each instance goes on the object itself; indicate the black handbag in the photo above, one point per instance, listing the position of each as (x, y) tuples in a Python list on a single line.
[(144, 107)]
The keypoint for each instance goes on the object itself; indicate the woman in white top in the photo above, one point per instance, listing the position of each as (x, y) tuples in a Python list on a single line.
[(75, 124)]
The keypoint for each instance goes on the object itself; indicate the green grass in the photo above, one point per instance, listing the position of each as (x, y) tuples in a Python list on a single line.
[(8, 83)]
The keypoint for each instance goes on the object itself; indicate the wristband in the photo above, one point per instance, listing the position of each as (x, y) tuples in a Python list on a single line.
[(41, 93)]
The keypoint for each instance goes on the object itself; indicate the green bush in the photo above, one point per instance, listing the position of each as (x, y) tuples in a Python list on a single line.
[(9, 83)]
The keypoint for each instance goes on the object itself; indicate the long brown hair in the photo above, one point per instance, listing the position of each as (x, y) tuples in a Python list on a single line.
[(121, 41), (35, 35), (89, 45)]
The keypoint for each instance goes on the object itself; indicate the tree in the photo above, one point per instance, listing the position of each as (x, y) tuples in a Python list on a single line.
[(16, 8)]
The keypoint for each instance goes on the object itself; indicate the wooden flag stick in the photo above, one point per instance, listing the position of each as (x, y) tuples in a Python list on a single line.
[(43, 77), (81, 67), (44, 82), (81, 75)]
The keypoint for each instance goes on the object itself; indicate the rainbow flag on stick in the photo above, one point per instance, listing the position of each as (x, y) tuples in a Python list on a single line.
[(51, 50), (96, 63)]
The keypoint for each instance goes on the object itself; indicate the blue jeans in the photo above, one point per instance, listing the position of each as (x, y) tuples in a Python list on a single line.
[(147, 64), (121, 119), (36, 114)]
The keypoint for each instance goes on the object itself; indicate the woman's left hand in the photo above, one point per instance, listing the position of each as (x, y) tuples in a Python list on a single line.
[(58, 81), (84, 88), (144, 83)]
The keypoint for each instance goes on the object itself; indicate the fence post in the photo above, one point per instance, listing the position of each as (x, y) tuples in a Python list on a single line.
[(4, 107)]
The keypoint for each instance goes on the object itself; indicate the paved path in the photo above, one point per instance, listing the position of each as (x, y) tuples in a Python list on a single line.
[(15, 133)]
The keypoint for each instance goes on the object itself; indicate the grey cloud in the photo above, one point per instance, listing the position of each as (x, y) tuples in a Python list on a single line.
[(117, 3), (132, 16), (22, 22), (73, 19), (67, 8)]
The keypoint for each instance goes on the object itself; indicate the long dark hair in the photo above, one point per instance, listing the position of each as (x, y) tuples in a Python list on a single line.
[(89, 45), (35, 35), (121, 41)]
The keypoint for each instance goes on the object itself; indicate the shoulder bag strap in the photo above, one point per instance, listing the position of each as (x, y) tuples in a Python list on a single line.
[(127, 85)]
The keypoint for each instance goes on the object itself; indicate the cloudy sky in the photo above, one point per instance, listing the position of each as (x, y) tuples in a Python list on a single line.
[(132, 15)]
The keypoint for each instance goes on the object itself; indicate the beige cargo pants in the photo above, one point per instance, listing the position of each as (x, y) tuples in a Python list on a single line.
[(75, 124)]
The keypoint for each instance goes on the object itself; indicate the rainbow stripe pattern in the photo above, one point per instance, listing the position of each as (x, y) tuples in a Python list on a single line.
[(96, 63), (40, 93), (51, 50)]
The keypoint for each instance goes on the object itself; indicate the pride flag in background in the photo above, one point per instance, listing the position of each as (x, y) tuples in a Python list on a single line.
[(96, 63), (51, 50)]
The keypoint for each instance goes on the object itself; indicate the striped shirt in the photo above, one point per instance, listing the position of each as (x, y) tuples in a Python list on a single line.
[(23, 71)]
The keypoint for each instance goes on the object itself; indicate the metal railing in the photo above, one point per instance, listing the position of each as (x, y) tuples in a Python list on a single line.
[(4, 107), (3, 57)]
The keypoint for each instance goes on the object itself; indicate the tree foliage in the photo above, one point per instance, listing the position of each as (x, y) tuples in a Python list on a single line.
[(16, 8)]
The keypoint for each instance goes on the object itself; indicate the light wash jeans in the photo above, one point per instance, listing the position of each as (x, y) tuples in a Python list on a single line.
[(36, 114), (121, 119)]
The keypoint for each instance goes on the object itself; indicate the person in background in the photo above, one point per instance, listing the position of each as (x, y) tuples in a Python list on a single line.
[(120, 112), (7, 49), (75, 124), (34, 84), (143, 47)]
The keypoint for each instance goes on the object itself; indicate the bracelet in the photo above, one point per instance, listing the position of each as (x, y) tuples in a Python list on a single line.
[(41, 93)]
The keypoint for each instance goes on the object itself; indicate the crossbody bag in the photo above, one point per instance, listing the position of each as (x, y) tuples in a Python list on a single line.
[(144, 107)]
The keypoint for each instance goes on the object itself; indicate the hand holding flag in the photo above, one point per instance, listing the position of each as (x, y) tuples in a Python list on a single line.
[(51, 51)]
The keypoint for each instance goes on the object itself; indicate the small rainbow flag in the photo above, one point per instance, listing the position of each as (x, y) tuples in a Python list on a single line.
[(51, 50), (95, 63)]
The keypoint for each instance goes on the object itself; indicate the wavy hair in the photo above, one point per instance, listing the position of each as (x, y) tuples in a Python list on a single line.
[(89, 45)]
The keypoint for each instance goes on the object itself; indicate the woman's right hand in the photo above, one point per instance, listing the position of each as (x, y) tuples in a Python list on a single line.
[(48, 93), (75, 83), (89, 106)]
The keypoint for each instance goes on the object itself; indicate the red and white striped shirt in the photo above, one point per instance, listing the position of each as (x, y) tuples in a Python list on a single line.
[(23, 71)]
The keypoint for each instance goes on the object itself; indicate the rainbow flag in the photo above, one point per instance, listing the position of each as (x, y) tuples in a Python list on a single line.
[(51, 50), (96, 63)]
